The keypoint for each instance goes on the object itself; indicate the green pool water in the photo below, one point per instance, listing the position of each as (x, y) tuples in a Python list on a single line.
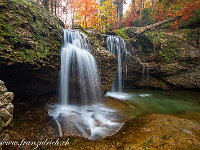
[(141, 102)]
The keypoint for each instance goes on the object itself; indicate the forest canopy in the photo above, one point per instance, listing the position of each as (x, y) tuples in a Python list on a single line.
[(108, 14)]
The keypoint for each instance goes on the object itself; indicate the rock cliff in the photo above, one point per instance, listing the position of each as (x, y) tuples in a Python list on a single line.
[(172, 56)]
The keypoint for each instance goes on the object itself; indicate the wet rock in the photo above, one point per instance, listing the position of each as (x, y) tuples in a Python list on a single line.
[(155, 131), (106, 63), (76, 124)]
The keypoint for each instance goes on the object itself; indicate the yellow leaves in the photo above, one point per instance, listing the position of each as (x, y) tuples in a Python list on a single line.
[(108, 15)]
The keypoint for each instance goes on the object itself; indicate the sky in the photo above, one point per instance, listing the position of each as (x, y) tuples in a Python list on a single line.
[(126, 5)]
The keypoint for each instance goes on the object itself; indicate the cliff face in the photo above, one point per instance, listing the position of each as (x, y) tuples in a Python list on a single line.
[(30, 40), (173, 58)]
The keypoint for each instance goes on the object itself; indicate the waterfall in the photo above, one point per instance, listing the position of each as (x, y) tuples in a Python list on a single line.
[(116, 46), (79, 90), (145, 75), (79, 83)]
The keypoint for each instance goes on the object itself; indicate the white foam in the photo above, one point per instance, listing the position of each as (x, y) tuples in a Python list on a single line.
[(145, 95), (118, 95), (99, 119)]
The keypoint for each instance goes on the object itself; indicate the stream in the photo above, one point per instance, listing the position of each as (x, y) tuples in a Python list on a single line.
[(104, 119)]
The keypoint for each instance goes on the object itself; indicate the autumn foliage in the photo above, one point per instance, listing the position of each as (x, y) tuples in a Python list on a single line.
[(181, 10), (131, 16), (106, 15), (86, 12), (178, 10)]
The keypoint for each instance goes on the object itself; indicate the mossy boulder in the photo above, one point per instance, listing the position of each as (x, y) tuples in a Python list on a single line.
[(30, 41)]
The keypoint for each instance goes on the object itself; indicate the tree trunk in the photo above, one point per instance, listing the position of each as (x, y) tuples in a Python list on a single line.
[(158, 24), (121, 10), (152, 2), (46, 4), (140, 8), (52, 6), (55, 6), (72, 13)]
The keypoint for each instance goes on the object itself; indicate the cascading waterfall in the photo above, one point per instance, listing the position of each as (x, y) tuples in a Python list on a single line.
[(79, 91), (116, 46), (78, 71)]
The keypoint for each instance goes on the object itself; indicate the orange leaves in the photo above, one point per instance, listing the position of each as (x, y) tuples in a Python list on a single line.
[(189, 9), (184, 9), (87, 11), (131, 16)]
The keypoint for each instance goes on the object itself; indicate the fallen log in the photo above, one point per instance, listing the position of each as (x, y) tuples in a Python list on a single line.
[(157, 24)]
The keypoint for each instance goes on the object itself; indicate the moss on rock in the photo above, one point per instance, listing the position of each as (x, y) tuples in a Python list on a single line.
[(31, 39), (173, 58)]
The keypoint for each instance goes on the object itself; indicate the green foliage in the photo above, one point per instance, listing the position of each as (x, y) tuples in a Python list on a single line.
[(26, 54), (153, 36), (146, 17), (27, 28), (136, 23), (166, 25), (21, 2), (122, 33)]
